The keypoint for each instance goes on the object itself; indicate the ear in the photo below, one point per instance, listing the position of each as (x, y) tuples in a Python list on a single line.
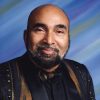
[(26, 38)]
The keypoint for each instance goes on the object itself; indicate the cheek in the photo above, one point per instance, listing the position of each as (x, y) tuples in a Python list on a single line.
[(63, 46), (35, 40)]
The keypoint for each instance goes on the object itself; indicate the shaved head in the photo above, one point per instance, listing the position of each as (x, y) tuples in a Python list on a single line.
[(46, 8)]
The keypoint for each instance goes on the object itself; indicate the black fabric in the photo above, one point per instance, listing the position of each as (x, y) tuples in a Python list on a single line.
[(50, 89), (60, 87), (6, 87), (3, 82), (55, 87), (70, 88), (30, 74), (16, 81), (84, 78), (79, 77)]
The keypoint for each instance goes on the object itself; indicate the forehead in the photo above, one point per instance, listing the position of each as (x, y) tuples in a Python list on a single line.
[(48, 15)]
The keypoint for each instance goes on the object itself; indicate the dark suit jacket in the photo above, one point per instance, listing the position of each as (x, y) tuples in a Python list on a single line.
[(10, 78)]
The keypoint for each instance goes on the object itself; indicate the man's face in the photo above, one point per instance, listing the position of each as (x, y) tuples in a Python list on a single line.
[(48, 36)]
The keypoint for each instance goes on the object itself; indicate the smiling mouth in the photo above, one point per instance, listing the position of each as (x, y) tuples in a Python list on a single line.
[(48, 51)]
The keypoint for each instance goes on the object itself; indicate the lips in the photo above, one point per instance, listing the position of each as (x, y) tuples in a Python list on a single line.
[(48, 51)]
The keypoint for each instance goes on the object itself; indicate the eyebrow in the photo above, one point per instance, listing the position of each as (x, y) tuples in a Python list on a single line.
[(39, 25), (61, 26), (45, 26)]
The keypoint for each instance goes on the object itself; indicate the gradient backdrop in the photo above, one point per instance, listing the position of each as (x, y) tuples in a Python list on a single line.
[(85, 27)]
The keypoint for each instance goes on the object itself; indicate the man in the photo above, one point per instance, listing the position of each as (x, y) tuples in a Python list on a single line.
[(42, 73)]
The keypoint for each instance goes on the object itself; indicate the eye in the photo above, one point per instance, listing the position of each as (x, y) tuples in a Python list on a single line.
[(38, 29), (60, 32)]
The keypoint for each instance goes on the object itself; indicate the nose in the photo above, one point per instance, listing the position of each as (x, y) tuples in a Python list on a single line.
[(49, 39)]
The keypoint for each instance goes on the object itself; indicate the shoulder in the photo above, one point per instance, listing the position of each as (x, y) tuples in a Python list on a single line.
[(11, 63), (77, 65), (6, 63), (83, 76), (8, 68), (74, 63), (12, 60), (5, 66), (80, 70)]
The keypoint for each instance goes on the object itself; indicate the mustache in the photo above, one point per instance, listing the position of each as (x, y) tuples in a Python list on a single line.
[(46, 46)]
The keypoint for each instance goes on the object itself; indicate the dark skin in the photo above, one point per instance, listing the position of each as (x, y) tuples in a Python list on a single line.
[(49, 25)]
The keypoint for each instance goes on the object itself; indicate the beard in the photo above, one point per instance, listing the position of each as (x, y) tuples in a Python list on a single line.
[(44, 60)]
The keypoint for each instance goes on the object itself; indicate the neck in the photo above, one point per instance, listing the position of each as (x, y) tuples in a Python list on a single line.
[(51, 69)]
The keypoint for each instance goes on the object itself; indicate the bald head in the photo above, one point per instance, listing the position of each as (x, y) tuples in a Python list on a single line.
[(46, 9)]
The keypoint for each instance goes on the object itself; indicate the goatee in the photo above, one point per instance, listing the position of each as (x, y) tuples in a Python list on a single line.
[(44, 60)]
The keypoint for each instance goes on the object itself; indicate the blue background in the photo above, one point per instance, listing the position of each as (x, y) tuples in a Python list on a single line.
[(84, 31)]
